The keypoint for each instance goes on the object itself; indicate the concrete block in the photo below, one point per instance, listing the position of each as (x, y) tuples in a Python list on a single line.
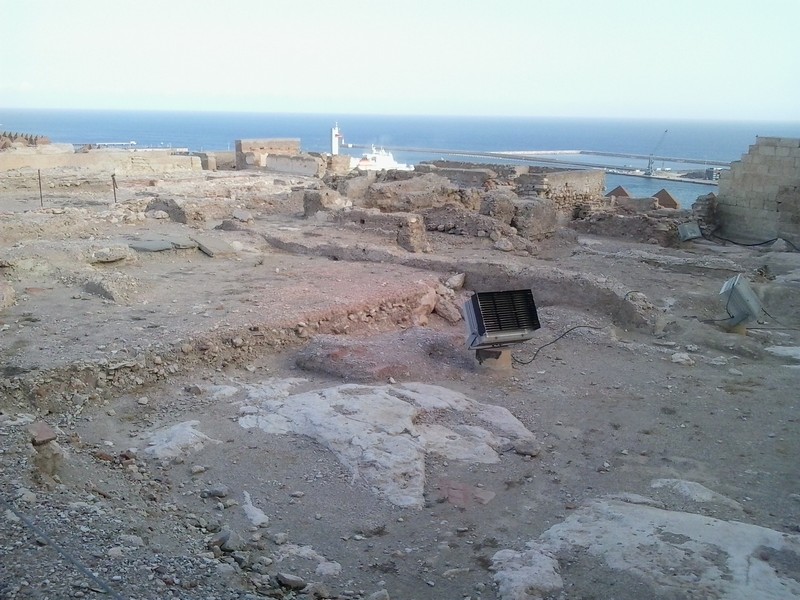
[(767, 141), (788, 142), (783, 151)]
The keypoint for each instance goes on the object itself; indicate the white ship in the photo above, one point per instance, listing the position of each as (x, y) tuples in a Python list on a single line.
[(376, 160)]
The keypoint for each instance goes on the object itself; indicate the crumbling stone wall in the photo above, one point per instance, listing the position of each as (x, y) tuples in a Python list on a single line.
[(569, 189), (253, 153), (748, 206), (62, 156), (463, 176), (303, 164), (407, 228)]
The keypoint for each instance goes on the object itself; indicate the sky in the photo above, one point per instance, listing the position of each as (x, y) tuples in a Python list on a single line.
[(696, 59)]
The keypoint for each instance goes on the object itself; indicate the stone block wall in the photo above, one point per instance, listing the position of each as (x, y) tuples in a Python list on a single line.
[(253, 153), (338, 164), (568, 189), (63, 156), (303, 164), (747, 203), (789, 214), (462, 176)]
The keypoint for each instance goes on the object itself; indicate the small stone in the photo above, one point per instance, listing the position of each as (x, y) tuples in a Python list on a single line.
[(504, 245), (132, 540), (233, 543), (186, 348), (293, 582), (682, 358), (143, 401), (733, 371), (455, 282), (25, 495), (379, 595), (217, 491), (318, 591), (242, 215), (238, 342), (115, 552), (197, 469), (527, 448), (225, 569), (49, 458), (280, 538), (41, 433), (297, 494), (221, 538)]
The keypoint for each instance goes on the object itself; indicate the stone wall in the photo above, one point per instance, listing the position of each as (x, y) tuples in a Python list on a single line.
[(568, 189), (789, 214), (253, 153), (747, 203), (462, 176), (61, 156), (303, 165), (408, 229)]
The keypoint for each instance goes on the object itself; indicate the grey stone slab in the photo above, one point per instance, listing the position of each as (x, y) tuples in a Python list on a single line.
[(212, 246), (180, 242), (151, 245)]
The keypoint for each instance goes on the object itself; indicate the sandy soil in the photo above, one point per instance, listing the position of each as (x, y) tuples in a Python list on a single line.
[(645, 397)]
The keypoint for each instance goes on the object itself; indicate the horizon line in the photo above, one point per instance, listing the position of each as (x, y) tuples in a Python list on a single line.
[(410, 115)]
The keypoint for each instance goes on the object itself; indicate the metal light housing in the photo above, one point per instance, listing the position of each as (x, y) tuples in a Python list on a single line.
[(497, 319), (741, 303)]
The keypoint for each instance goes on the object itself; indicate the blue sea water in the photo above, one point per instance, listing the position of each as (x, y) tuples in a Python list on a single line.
[(210, 131)]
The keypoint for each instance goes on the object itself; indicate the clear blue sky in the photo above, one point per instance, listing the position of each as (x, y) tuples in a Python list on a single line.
[(726, 59)]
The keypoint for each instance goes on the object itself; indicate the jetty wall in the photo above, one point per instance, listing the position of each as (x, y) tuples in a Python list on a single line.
[(758, 198)]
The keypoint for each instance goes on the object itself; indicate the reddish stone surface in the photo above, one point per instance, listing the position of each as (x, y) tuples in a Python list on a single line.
[(41, 433)]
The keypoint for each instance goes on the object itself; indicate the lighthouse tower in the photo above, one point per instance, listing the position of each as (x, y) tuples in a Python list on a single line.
[(335, 137)]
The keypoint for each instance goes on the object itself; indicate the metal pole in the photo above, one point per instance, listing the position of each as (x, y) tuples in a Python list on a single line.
[(41, 198), (114, 186)]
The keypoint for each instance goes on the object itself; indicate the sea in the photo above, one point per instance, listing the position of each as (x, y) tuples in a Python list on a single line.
[(413, 139)]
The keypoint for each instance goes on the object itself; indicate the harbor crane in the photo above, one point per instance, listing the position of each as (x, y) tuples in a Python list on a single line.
[(649, 170)]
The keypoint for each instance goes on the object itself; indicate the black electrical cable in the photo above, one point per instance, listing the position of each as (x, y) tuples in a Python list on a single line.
[(103, 586), (535, 354), (724, 239)]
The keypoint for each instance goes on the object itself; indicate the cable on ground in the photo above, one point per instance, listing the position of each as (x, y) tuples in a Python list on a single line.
[(536, 353), (748, 245), (103, 586)]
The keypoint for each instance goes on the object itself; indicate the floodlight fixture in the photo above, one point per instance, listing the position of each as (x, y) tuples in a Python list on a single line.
[(741, 303), (689, 231), (498, 319)]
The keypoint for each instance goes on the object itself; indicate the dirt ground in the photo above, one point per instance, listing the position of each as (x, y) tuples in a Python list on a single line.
[(649, 401)]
